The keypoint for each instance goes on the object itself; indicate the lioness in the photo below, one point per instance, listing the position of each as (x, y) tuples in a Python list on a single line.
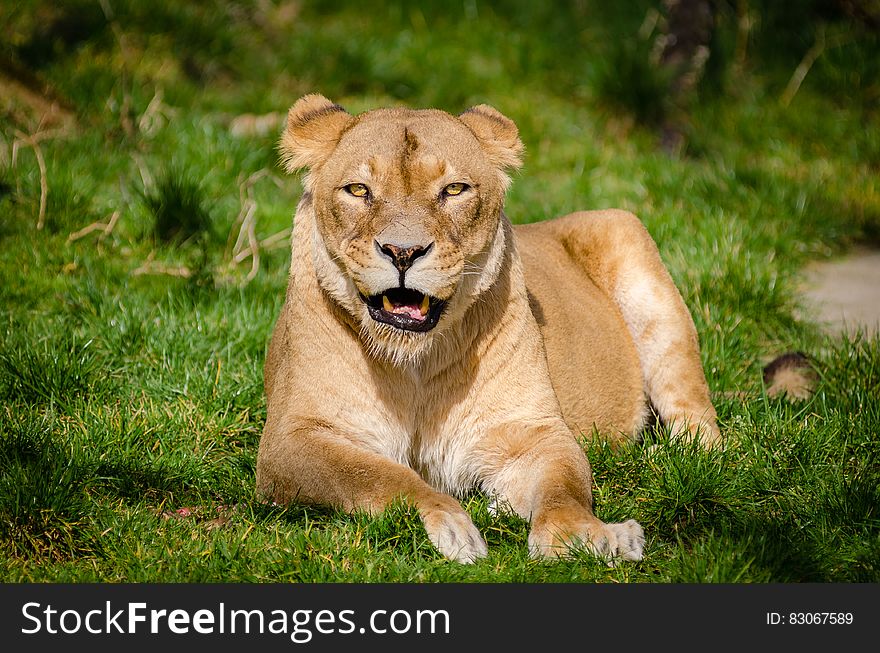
[(426, 347)]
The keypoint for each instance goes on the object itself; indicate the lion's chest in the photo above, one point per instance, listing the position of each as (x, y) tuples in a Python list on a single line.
[(411, 425)]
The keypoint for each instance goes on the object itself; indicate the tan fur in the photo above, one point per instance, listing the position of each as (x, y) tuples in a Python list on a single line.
[(792, 376), (564, 326)]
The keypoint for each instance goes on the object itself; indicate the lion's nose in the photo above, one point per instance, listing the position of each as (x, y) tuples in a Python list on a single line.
[(403, 257)]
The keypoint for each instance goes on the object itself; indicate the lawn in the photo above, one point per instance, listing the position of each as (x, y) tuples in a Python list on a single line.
[(144, 256)]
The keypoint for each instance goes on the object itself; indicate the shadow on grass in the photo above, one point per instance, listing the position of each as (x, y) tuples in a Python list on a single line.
[(835, 538), (757, 549), (44, 493), (134, 480)]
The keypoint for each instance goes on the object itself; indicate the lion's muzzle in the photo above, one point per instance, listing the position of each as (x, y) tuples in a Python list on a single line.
[(405, 309)]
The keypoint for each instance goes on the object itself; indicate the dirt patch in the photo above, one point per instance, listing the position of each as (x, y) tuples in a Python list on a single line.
[(30, 104), (845, 293)]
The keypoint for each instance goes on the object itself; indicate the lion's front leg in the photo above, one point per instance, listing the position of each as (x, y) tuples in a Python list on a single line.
[(558, 531), (309, 463), (542, 474)]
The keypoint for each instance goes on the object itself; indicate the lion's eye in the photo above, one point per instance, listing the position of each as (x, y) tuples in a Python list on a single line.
[(456, 188), (358, 190)]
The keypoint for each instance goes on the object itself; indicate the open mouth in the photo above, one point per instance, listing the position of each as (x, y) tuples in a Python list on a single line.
[(405, 308)]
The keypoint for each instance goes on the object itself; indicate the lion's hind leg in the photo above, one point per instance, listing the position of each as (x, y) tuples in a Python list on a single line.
[(622, 259)]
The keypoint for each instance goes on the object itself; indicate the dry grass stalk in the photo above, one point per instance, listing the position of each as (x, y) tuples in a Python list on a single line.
[(155, 115), (150, 266), (106, 228), (800, 73), (32, 141), (146, 178), (249, 125), (244, 228), (248, 231), (275, 240)]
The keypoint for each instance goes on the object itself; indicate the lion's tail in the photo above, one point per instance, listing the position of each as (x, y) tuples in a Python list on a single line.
[(792, 375)]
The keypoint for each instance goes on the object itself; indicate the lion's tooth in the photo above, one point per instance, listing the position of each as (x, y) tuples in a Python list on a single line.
[(425, 304), (386, 304)]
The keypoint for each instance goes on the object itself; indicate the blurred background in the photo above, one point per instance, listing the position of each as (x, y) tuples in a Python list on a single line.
[(684, 74)]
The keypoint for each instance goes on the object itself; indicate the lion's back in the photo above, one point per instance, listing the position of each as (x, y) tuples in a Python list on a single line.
[(593, 363)]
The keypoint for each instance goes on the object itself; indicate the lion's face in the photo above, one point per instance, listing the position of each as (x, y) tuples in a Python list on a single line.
[(407, 209)]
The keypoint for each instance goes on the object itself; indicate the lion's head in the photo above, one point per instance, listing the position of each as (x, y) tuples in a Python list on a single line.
[(407, 205)]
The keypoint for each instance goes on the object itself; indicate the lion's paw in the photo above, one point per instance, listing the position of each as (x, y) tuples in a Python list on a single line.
[(627, 540), (454, 534), (558, 535)]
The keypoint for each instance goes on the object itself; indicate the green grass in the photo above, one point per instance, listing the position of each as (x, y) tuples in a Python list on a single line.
[(131, 359)]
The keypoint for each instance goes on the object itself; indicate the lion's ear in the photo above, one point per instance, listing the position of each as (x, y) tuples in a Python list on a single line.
[(497, 134), (314, 125)]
